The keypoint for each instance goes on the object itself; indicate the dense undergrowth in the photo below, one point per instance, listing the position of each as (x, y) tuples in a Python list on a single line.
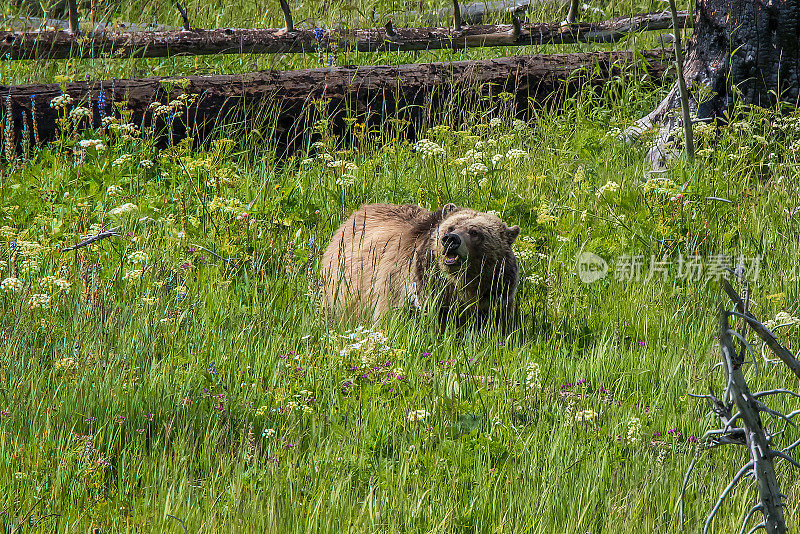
[(185, 367)]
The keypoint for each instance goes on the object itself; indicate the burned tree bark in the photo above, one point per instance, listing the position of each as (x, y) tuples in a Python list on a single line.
[(369, 92), (59, 44), (747, 49)]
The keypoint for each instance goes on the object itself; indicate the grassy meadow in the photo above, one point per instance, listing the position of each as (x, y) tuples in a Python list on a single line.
[(183, 373)]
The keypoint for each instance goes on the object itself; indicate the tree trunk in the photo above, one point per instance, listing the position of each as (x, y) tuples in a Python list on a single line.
[(59, 44), (371, 93), (745, 49)]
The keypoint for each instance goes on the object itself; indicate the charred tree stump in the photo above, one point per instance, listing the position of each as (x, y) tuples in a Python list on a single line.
[(369, 92), (746, 49)]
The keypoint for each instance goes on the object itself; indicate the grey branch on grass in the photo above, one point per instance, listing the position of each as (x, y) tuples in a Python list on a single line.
[(102, 234)]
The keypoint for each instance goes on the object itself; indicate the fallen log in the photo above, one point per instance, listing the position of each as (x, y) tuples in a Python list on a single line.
[(17, 23), (372, 93), (59, 44), (473, 13)]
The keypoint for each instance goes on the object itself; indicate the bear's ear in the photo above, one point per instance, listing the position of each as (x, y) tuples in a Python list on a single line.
[(512, 233), (447, 209)]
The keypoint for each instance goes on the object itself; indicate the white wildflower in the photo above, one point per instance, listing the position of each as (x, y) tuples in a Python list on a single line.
[(39, 300), (125, 209), (133, 274), (418, 415), (122, 160), (29, 268), (634, 429), (428, 148), (79, 113), (533, 379), (7, 233), (96, 143), (534, 279), (114, 190), (11, 285), (61, 102), (29, 249), (515, 154), (610, 188), (475, 169), (585, 415), (138, 257)]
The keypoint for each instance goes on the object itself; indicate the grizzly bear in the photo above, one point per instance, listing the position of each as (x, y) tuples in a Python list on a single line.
[(456, 259)]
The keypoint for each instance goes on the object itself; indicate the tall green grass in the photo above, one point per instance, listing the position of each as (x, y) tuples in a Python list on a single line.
[(213, 387)]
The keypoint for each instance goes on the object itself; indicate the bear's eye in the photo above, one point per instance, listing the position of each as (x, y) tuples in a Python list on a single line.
[(450, 230), (474, 233)]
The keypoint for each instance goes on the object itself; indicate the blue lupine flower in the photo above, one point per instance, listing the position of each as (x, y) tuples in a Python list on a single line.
[(102, 102), (212, 369), (318, 33)]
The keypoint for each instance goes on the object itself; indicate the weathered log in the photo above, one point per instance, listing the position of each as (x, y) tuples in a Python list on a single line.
[(369, 92), (58, 44), (17, 23), (472, 13)]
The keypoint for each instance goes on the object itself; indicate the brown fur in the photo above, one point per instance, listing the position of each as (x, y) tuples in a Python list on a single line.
[(386, 255)]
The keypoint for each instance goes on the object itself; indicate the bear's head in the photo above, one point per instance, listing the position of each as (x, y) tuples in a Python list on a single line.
[(472, 242)]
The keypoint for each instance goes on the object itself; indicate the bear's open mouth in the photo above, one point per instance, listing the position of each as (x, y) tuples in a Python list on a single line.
[(451, 258)]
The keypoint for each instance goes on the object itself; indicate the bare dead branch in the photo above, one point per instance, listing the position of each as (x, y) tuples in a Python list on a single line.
[(93, 239), (775, 392), (763, 332), (683, 490), (782, 455), (754, 509), (748, 467), (179, 520)]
